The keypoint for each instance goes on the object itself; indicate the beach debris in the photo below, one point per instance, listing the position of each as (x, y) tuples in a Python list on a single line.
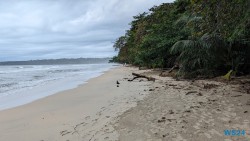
[(188, 111), (236, 95), (170, 120), (151, 89), (173, 68), (209, 86), (161, 120), (171, 112), (172, 85), (228, 75), (194, 107), (184, 121), (199, 94), (165, 135), (141, 76), (245, 111), (117, 82), (201, 103), (213, 100), (190, 92)]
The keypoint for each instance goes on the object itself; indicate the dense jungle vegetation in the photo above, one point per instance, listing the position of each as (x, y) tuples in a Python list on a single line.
[(202, 37)]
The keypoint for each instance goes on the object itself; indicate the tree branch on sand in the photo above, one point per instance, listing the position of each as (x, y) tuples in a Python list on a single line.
[(141, 76)]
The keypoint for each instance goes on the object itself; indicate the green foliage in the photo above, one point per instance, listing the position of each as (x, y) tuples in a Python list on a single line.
[(204, 37), (200, 56), (114, 59), (120, 43)]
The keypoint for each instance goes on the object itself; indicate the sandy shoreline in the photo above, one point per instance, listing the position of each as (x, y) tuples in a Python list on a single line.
[(82, 113), (140, 110)]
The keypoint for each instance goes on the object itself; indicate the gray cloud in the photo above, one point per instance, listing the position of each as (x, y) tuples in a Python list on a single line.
[(40, 29)]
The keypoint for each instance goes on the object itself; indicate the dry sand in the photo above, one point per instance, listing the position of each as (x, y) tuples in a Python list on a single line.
[(81, 114), (141, 110), (184, 110)]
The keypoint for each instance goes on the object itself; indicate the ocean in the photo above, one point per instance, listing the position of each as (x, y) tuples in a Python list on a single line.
[(21, 84)]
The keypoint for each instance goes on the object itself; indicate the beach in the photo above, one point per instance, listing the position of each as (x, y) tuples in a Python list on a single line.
[(78, 114), (114, 107)]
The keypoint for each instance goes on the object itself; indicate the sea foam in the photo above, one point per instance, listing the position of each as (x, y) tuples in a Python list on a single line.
[(23, 84)]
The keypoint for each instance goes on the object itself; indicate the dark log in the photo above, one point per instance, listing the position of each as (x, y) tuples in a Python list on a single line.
[(141, 76)]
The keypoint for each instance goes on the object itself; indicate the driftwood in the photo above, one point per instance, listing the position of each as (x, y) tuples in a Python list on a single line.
[(141, 76), (190, 92), (168, 71), (173, 68)]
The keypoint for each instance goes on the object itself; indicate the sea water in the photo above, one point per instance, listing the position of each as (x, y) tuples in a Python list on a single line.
[(25, 83)]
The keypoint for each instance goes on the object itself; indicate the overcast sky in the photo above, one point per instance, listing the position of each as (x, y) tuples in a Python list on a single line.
[(44, 29)]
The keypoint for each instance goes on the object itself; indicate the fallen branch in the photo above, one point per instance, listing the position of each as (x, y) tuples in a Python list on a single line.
[(190, 92), (141, 76), (173, 68)]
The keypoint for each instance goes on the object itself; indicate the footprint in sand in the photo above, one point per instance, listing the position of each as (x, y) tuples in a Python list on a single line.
[(65, 132), (87, 118), (106, 130)]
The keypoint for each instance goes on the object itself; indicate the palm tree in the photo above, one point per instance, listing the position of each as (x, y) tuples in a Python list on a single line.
[(200, 56)]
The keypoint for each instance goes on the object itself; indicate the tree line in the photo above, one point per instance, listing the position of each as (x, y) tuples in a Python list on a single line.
[(204, 38)]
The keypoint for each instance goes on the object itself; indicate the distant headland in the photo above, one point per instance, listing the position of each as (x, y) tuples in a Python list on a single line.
[(61, 61)]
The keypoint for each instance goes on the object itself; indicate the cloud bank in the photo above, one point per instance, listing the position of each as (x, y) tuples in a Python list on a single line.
[(42, 29)]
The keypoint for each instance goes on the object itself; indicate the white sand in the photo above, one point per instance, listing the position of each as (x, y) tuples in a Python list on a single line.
[(188, 111), (164, 110), (83, 113)]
